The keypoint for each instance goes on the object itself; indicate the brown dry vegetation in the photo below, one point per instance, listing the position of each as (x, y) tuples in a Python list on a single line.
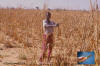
[(20, 28)]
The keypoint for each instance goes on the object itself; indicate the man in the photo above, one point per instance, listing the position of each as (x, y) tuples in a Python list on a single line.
[(48, 29)]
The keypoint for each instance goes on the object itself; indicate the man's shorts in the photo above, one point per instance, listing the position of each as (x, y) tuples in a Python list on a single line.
[(47, 41), (48, 38)]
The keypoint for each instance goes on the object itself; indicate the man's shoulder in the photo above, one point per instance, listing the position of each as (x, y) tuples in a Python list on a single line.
[(44, 20), (52, 22)]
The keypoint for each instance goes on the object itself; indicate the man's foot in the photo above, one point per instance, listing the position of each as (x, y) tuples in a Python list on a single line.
[(49, 62), (39, 62)]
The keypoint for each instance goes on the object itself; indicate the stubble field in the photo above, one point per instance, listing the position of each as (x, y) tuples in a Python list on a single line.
[(21, 36)]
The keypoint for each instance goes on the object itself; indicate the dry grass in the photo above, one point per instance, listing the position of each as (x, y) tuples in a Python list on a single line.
[(22, 28)]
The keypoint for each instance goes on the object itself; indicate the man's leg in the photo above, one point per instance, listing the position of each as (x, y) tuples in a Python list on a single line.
[(43, 52), (50, 46), (44, 48), (49, 52)]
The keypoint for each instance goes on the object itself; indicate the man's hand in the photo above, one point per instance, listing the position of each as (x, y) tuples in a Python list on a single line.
[(57, 25)]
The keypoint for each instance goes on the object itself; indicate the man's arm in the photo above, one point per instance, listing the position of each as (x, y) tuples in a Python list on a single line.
[(51, 25)]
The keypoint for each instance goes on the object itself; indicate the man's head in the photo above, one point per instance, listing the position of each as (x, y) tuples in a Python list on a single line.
[(48, 15)]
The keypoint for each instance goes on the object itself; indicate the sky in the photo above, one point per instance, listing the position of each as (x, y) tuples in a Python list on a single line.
[(53, 4)]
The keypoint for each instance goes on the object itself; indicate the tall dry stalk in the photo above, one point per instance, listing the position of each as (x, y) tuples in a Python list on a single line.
[(45, 6), (95, 23), (96, 5), (97, 51), (91, 6)]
